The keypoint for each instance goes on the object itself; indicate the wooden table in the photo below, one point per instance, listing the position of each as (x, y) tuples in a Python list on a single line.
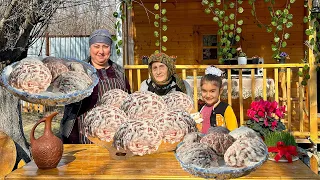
[(93, 162)]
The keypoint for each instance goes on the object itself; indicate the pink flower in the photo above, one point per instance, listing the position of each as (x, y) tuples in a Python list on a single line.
[(251, 113), (255, 119), (261, 114), (274, 124), (266, 122), (279, 113), (239, 49), (273, 106)]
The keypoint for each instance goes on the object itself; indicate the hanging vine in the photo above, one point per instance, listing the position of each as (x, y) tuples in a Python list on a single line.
[(159, 23), (160, 19), (314, 44), (120, 17), (281, 19), (229, 26)]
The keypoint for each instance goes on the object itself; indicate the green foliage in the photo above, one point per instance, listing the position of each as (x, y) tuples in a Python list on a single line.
[(159, 23), (119, 15), (281, 19), (225, 15), (272, 138), (313, 43), (262, 129)]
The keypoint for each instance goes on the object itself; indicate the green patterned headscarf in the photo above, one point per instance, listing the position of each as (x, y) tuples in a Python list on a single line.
[(170, 63)]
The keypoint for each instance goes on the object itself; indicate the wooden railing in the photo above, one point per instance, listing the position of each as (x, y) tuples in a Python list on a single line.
[(301, 121), (302, 128)]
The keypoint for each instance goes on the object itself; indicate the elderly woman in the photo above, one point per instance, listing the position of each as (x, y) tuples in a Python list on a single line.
[(163, 75), (111, 76)]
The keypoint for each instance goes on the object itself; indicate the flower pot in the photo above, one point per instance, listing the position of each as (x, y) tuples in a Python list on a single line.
[(283, 159), (282, 60), (242, 60)]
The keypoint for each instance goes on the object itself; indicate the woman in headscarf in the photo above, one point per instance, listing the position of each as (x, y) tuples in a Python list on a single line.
[(163, 75), (111, 76)]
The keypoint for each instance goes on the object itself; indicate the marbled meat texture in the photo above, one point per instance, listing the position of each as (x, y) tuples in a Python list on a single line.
[(245, 151), (75, 66), (104, 121), (143, 105), (243, 131), (197, 154), (71, 81), (30, 75), (56, 67), (174, 125), (114, 97), (192, 137), (219, 142), (218, 129), (178, 100), (139, 137)]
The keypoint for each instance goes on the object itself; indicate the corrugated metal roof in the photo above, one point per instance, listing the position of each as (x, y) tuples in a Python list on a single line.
[(67, 47)]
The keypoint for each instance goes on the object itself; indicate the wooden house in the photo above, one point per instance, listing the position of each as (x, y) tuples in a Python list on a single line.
[(188, 26)]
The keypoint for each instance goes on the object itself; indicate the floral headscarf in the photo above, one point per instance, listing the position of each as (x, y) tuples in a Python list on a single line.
[(170, 63)]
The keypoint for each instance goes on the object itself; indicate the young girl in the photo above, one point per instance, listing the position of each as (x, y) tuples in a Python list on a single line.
[(215, 112)]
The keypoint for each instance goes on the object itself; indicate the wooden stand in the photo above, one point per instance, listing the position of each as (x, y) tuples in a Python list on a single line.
[(122, 154)]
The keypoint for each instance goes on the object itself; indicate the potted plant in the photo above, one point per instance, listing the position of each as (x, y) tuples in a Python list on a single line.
[(282, 146), (242, 57), (265, 117), (281, 21), (281, 58)]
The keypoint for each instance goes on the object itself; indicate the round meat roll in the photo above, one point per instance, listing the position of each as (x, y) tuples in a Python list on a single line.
[(71, 81), (193, 137), (178, 100), (218, 129), (56, 66), (173, 125), (197, 154), (114, 97), (103, 121), (30, 75), (139, 137), (75, 66), (51, 59), (219, 142), (245, 151), (243, 131), (143, 105)]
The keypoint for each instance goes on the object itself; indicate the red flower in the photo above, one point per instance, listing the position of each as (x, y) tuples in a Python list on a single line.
[(255, 119), (273, 106), (279, 113), (251, 113), (261, 114), (274, 124), (266, 122)]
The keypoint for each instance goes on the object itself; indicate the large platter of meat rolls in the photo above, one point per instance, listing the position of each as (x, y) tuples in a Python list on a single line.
[(221, 154), (50, 81)]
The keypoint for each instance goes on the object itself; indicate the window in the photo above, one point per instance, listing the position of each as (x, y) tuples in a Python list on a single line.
[(209, 47), (206, 44)]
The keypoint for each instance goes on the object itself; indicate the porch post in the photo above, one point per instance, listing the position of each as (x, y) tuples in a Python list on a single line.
[(129, 37), (312, 90)]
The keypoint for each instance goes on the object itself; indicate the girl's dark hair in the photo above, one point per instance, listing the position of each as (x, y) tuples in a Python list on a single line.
[(211, 78)]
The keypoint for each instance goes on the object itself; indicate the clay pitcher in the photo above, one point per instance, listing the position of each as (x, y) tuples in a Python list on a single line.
[(46, 150)]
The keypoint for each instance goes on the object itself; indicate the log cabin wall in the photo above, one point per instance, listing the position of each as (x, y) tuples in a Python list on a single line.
[(187, 20)]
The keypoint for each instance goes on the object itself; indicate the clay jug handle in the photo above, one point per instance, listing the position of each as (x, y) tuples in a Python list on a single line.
[(32, 138)]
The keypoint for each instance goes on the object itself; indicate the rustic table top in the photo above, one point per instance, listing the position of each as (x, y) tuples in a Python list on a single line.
[(93, 162)]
